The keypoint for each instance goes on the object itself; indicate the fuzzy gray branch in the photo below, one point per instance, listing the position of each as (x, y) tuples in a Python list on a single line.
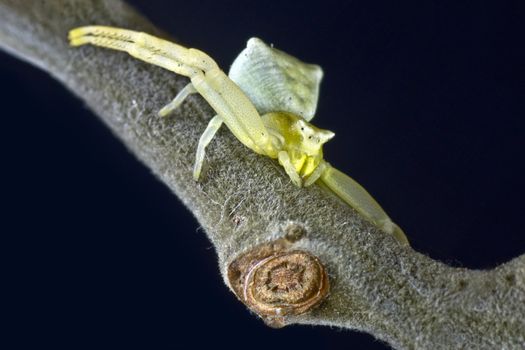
[(244, 199)]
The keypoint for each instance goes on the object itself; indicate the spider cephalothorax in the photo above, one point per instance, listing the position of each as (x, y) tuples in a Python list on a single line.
[(299, 145)]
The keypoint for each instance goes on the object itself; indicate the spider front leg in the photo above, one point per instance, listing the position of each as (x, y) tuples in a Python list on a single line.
[(359, 199), (235, 109), (148, 48), (225, 97)]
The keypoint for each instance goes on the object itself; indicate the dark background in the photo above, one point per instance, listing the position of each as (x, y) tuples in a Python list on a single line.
[(425, 98)]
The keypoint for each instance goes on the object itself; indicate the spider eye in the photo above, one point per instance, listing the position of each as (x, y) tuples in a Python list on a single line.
[(310, 137), (302, 129)]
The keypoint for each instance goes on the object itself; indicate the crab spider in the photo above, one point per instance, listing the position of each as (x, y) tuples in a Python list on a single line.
[(266, 100)]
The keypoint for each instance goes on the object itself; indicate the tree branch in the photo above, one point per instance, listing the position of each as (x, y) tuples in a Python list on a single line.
[(244, 199)]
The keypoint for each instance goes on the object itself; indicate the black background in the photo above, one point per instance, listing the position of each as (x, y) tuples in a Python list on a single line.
[(425, 98)]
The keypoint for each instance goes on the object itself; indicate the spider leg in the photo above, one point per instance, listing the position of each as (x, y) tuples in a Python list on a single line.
[(115, 38), (140, 52), (175, 103), (399, 234), (284, 160), (316, 174), (206, 137), (234, 107), (359, 199)]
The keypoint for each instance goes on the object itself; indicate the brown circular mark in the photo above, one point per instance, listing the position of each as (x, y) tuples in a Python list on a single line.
[(284, 284), (275, 282)]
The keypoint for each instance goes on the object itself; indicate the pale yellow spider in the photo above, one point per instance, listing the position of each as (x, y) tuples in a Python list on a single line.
[(266, 101)]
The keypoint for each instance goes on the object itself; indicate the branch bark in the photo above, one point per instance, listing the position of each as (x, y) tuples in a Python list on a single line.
[(244, 199)]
